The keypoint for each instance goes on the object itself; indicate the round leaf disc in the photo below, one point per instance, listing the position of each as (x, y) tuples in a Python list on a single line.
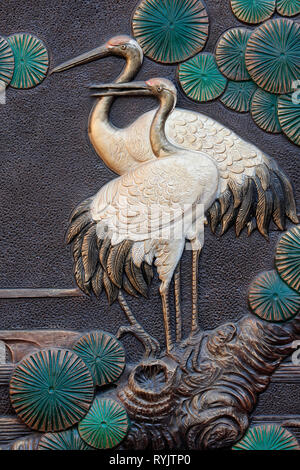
[(230, 53), (272, 299), (287, 258), (51, 390), (289, 117), (103, 354), (6, 61), (264, 107), (105, 425), (288, 7), (253, 11), (170, 31), (267, 437), (65, 440), (238, 96), (31, 60), (273, 55), (201, 79)]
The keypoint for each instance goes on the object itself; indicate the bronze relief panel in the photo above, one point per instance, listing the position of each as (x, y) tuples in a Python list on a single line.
[(132, 135)]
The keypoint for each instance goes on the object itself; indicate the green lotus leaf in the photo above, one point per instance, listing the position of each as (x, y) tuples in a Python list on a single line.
[(31, 60), (289, 117), (103, 354), (105, 425), (65, 440), (287, 258), (6, 62), (264, 108), (51, 390), (272, 299), (238, 96), (272, 55), (230, 53), (170, 31), (267, 437), (201, 79), (288, 7), (253, 11)]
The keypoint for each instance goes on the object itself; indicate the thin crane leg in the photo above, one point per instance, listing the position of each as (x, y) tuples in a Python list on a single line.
[(126, 309), (151, 345), (177, 303), (166, 313), (195, 264)]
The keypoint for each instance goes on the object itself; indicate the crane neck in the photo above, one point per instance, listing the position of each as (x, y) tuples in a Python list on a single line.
[(102, 108), (161, 146)]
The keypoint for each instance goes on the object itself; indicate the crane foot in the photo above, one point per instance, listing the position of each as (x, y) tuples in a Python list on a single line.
[(151, 345)]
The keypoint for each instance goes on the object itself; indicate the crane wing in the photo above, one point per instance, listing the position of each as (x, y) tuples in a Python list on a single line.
[(150, 202), (252, 187)]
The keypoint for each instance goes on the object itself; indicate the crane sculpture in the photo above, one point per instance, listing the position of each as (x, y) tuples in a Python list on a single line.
[(110, 231), (124, 149)]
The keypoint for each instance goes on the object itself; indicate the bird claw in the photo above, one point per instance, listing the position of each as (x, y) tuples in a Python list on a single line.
[(151, 345)]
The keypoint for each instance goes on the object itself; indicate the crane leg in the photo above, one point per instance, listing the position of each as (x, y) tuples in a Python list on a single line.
[(151, 345), (195, 264), (164, 292), (177, 303)]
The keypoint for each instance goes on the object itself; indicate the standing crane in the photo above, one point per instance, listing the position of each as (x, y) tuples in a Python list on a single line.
[(124, 149), (113, 226)]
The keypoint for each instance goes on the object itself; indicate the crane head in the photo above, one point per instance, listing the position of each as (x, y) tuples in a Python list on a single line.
[(122, 46), (159, 86)]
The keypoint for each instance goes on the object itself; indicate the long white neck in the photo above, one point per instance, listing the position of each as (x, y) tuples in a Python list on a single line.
[(161, 146), (103, 135)]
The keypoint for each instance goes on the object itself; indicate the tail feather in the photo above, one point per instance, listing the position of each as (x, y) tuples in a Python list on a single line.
[(252, 225), (264, 195), (278, 203), (79, 276), (97, 281), (89, 252), (228, 218), (264, 208), (225, 200), (81, 209), (237, 191), (263, 174), (100, 265), (77, 226), (214, 214), (110, 289), (104, 252), (115, 261), (128, 287), (290, 205), (136, 277), (246, 207)]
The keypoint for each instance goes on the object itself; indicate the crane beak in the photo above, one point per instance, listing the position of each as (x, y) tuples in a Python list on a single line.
[(97, 53), (121, 89)]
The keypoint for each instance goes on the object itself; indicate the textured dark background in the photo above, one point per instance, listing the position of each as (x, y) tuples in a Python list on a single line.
[(48, 166)]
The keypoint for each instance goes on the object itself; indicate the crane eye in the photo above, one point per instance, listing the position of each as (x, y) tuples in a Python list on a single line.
[(123, 47), (159, 89)]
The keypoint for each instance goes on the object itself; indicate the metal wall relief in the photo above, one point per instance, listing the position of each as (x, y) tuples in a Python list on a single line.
[(180, 176), (24, 61)]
